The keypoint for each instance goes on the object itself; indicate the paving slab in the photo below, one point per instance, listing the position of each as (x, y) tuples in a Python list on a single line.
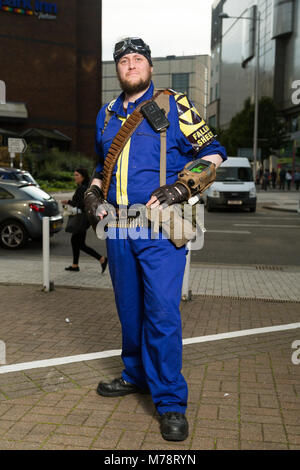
[(256, 282), (244, 392)]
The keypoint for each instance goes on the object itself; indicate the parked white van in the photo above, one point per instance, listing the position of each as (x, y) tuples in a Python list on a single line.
[(234, 186)]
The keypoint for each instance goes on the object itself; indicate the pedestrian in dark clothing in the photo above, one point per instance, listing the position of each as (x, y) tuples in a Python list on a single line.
[(274, 177), (288, 178), (265, 180), (259, 176), (78, 239), (297, 179), (282, 179)]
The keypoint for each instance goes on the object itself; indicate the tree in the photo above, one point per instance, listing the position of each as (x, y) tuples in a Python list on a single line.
[(271, 128)]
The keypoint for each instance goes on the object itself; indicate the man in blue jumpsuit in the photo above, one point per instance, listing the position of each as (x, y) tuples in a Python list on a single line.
[(147, 273)]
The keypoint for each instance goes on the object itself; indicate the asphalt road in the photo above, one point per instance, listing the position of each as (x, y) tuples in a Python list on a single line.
[(265, 238), (240, 238)]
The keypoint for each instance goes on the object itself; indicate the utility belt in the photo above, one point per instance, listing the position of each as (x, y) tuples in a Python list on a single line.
[(170, 224), (123, 220)]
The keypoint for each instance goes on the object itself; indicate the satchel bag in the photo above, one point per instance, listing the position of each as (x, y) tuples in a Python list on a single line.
[(77, 223)]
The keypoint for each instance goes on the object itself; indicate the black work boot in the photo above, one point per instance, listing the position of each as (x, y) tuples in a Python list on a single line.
[(117, 388), (174, 426)]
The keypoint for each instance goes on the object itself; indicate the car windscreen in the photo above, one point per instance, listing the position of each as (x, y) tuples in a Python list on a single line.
[(25, 177), (35, 193), (227, 174)]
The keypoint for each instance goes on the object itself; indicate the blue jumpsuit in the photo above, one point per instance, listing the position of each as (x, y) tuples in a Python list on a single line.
[(147, 273)]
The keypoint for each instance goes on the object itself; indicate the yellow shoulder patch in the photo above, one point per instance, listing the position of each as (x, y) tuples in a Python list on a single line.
[(191, 123)]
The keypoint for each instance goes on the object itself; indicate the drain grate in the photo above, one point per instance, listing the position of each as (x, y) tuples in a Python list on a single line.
[(251, 299), (268, 267)]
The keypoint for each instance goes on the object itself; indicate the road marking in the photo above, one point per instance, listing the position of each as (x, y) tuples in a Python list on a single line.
[(236, 334), (117, 352), (267, 226), (245, 232), (271, 218), (58, 361)]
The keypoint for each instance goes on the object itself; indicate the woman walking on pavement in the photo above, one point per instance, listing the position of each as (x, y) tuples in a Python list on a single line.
[(81, 178)]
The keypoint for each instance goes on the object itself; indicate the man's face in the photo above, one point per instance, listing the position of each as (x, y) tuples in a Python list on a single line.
[(134, 73)]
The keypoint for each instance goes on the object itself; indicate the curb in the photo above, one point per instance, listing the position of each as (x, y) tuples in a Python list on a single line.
[(208, 296), (273, 208)]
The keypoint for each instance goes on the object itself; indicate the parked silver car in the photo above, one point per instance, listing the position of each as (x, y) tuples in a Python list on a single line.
[(22, 208), (13, 175)]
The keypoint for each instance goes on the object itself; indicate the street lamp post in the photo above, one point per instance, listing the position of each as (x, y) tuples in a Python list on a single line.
[(256, 80)]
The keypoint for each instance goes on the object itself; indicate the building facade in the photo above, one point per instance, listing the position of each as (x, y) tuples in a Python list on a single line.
[(50, 56), (187, 74), (234, 61)]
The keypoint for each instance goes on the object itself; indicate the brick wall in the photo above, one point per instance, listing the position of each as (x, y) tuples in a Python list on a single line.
[(54, 67)]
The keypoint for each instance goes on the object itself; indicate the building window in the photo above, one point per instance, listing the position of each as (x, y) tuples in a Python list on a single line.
[(295, 123), (217, 91), (180, 82), (212, 121), (211, 94)]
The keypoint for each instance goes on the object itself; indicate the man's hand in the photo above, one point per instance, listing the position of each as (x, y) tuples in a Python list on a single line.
[(169, 194), (101, 213), (93, 197)]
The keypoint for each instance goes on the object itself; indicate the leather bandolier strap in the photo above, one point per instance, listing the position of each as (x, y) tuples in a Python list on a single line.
[(120, 141)]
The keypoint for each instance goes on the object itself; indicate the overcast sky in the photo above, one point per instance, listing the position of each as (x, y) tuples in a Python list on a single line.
[(170, 27)]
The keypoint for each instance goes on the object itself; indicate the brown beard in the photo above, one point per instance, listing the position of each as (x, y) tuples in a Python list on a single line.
[(130, 88)]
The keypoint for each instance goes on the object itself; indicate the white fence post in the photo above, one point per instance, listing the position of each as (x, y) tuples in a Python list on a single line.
[(46, 254)]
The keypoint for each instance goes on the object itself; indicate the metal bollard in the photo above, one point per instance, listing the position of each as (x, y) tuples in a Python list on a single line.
[(186, 294), (2, 353), (46, 254)]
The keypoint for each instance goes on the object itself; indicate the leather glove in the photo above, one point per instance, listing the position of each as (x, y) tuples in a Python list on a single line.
[(93, 197), (171, 194)]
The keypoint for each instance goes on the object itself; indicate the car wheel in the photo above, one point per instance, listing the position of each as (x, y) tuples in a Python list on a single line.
[(13, 235), (252, 209)]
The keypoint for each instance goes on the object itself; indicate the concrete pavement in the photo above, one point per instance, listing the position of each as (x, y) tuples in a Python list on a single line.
[(256, 282), (243, 392), (284, 201)]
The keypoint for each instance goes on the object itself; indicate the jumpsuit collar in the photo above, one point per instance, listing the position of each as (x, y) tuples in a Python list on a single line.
[(118, 105)]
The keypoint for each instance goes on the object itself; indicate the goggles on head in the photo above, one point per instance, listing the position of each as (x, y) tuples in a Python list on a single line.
[(132, 45)]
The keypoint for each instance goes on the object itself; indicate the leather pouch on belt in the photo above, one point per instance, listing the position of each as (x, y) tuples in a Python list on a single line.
[(177, 222)]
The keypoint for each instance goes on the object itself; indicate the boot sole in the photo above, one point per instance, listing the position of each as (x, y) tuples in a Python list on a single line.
[(174, 437), (120, 393)]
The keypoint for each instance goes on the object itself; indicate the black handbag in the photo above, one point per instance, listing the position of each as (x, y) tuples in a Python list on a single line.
[(77, 223)]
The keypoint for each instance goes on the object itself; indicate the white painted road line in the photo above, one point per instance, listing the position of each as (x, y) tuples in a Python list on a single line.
[(58, 361), (236, 334), (266, 226), (268, 217), (239, 232), (117, 352)]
